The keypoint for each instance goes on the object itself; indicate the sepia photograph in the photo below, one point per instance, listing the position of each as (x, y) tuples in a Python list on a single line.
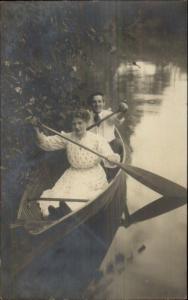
[(93, 150)]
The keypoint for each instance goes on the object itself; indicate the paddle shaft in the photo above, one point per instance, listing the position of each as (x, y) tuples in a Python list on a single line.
[(62, 199), (80, 145), (102, 120)]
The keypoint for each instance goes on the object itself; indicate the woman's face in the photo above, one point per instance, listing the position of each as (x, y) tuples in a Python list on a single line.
[(79, 127)]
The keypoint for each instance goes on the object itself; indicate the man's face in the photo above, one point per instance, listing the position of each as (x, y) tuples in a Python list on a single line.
[(97, 103)]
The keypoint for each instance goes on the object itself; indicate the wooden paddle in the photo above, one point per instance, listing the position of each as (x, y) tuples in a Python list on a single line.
[(156, 208), (104, 119), (155, 182)]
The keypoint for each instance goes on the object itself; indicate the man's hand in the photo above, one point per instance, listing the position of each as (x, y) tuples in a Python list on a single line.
[(123, 107)]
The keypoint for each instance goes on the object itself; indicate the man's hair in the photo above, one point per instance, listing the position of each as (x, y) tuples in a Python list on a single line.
[(81, 114), (90, 98)]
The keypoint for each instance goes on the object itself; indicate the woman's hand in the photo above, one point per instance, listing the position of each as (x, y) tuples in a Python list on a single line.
[(113, 159), (35, 122)]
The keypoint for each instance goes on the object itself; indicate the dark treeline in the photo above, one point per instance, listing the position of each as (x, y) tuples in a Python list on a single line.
[(54, 54)]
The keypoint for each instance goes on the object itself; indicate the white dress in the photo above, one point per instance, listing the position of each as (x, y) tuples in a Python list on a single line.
[(86, 178)]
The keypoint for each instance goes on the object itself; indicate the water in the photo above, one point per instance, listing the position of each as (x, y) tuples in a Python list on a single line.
[(148, 260)]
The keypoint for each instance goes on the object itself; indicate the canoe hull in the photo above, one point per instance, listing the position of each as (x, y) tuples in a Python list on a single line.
[(68, 264), (59, 261)]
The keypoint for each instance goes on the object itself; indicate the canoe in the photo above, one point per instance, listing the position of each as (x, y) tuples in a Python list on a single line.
[(58, 258)]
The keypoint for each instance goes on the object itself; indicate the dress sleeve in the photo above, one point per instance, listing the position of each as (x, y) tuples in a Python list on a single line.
[(105, 149), (51, 143)]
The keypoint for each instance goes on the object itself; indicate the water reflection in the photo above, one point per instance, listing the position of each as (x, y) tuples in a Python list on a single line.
[(157, 130)]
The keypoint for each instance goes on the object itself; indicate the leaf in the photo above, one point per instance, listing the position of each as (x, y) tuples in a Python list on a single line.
[(29, 110), (18, 90), (28, 118)]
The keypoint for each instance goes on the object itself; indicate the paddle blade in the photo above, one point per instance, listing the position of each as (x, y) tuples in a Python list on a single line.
[(155, 182), (157, 208)]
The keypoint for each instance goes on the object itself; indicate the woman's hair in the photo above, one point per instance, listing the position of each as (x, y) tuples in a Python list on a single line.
[(81, 114)]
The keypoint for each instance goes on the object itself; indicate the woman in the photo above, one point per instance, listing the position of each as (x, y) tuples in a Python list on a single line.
[(86, 178)]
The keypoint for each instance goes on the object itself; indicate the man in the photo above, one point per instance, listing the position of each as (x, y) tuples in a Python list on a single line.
[(106, 128)]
